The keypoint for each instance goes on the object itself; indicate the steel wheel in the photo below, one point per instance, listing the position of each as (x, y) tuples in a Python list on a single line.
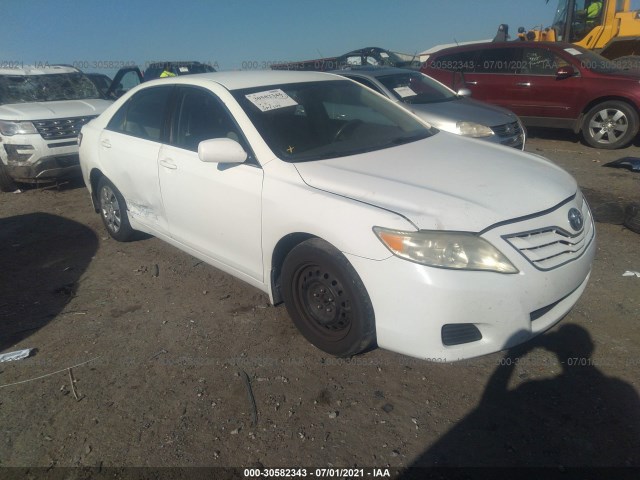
[(321, 298), (610, 125), (327, 300)]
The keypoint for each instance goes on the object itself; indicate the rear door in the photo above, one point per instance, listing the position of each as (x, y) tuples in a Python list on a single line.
[(129, 149), (493, 78)]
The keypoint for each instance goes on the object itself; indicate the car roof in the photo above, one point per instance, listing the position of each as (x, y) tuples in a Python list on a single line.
[(44, 70), (510, 44), (235, 80), (373, 71), (174, 62)]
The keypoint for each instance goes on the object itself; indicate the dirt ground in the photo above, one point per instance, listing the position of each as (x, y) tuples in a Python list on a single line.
[(142, 353)]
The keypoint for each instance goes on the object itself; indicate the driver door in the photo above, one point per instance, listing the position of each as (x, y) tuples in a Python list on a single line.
[(214, 209)]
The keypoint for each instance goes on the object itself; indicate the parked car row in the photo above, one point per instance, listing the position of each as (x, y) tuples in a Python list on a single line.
[(544, 84), (558, 85), (373, 227)]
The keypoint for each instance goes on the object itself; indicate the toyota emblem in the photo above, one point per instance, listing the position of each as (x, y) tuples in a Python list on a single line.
[(575, 219)]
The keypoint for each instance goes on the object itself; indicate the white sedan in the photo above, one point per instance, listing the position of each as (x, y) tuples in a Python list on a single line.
[(375, 230)]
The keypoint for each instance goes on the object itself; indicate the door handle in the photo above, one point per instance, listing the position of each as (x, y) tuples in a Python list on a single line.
[(471, 82), (106, 143), (168, 163), (523, 84)]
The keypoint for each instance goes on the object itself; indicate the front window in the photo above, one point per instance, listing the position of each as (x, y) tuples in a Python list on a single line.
[(46, 88), (327, 119), (416, 88), (592, 61)]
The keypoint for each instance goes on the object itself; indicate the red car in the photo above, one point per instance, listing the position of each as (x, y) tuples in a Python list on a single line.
[(556, 85)]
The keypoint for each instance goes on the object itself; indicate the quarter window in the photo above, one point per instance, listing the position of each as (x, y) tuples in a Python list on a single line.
[(143, 115)]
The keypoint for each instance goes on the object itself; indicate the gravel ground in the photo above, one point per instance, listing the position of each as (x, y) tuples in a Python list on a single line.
[(143, 351)]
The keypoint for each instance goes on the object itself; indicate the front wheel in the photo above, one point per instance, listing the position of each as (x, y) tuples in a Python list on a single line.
[(610, 125), (327, 300), (113, 211)]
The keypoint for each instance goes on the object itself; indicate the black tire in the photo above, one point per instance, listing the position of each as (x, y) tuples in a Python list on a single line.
[(6, 182), (632, 219), (327, 300), (113, 211), (610, 125)]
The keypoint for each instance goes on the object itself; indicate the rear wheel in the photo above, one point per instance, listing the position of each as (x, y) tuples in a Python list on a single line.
[(610, 125), (6, 182), (327, 300), (113, 211)]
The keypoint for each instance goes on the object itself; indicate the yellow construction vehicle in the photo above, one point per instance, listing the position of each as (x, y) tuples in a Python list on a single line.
[(608, 27)]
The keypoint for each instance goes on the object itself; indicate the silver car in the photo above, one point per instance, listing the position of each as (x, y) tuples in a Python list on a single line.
[(440, 106)]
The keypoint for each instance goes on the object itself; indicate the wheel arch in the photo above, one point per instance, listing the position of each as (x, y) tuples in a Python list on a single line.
[(608, 98), (94, 177), (280, 252)]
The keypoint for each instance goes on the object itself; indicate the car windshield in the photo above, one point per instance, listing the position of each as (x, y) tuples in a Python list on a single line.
[(414, 87), (45, 88), (327, 119)]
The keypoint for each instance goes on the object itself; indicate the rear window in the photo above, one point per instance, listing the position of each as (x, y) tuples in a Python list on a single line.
[(499, 60)]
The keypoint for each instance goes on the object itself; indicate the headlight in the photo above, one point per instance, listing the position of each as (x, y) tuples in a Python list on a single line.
[(475, 130), (16, 128), (464, 251)]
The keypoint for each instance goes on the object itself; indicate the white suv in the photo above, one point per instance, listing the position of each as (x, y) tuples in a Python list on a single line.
[(41, 113)]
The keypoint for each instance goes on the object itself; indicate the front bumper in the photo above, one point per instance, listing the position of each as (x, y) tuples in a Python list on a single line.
[(30, 158), (423, 311)]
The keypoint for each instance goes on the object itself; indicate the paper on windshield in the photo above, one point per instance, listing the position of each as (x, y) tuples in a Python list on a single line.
[(183, 70), (573, 51), (271, 100), (404, 92)]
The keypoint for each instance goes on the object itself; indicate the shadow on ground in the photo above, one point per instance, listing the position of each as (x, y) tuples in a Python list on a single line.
[(578, 418), (41, 261), (560, 134)]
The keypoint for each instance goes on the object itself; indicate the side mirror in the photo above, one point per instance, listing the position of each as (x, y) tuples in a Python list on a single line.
[(565, 72), (221, 150), (464, 92)]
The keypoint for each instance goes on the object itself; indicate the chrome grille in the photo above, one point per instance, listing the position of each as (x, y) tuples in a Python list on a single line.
[(507, 130), (551, 247), (60, 128)]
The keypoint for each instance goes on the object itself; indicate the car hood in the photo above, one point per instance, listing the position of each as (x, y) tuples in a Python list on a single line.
[(446, 182), (48, 110), (443, 114)]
